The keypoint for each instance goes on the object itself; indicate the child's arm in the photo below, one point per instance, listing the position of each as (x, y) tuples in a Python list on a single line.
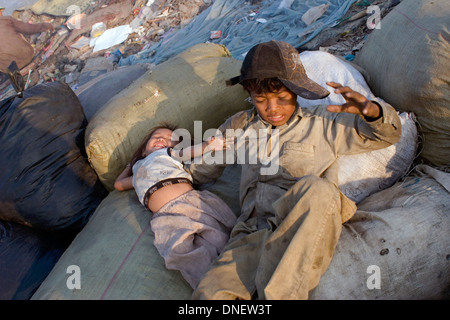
[(125, 180), (213, 143)]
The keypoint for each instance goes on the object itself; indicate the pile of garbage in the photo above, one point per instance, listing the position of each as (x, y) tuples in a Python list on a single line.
[(109, 29), (112, 33)]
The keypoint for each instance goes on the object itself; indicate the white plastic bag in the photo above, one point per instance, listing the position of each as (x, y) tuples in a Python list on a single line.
[(112, 37), (310, 16)]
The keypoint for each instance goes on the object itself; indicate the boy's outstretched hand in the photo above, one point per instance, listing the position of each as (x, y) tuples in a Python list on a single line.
[(355, 102)]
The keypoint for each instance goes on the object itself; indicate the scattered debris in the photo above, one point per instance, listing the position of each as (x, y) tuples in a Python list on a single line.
[(216, 34), (80, 39), (347, 37)]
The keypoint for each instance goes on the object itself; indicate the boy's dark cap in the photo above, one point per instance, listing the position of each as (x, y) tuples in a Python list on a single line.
[(277, 59)]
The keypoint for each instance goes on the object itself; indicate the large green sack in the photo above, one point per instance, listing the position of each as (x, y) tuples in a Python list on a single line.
[(189, 87), (408, 60)]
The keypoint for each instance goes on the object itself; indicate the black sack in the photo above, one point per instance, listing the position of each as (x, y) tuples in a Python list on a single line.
[(27, 256), (46, 181)]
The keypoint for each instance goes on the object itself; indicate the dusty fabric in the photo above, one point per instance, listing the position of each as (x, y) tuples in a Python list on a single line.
[(190, 232), (109, 84), (17, 48), (361, 175)]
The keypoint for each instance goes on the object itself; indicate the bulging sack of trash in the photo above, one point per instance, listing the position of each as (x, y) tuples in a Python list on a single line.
[(408, 61), (46, 181), (361, 175), (116, 258), (188, 87), (396, 245), (27, 256)]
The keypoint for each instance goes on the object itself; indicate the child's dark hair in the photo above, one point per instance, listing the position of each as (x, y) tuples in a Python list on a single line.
[(140, 150), (262, 85)]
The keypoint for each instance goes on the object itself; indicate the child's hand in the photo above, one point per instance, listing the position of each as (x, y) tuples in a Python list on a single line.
[(219, 143), (354, 102), (125, 180)]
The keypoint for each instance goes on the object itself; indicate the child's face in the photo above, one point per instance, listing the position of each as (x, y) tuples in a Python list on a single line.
[(161, 138), (275, 107)]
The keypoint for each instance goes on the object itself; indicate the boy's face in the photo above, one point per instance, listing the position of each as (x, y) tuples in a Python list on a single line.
[(275, 107)]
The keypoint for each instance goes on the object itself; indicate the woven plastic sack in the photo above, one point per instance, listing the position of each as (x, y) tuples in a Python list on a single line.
[(396, 245), (408, 61)]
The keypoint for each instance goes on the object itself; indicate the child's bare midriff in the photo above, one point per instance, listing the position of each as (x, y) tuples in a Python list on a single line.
[(162, 196)]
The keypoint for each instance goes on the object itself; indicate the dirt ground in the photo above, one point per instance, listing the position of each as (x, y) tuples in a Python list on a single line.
[(64, 54)]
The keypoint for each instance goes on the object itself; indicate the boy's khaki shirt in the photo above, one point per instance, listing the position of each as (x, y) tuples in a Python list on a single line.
[(309, 144)]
